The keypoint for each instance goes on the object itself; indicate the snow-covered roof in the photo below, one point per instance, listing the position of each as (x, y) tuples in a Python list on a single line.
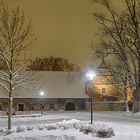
[(54, 85)]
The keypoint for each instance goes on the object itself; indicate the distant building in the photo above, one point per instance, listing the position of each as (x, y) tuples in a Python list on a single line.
[(103, 89), (65, 91)]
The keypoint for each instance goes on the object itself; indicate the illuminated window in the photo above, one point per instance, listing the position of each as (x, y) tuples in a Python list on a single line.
[(103, 90)]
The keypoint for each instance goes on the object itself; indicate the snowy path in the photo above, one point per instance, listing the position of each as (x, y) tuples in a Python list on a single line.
[(52, 117), (117, 117)]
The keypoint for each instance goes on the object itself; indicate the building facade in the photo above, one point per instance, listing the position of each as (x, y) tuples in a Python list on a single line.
[(104, 90), (62, 91)]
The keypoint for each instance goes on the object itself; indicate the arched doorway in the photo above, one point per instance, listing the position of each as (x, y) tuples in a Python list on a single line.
[(70, 106)]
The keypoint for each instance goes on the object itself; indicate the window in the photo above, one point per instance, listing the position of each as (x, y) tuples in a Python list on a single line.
[(20, 107), (31, 106), (70, 106), (103, 90)]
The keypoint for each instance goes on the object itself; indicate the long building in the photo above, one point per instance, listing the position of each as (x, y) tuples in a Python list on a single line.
[(62, 91)]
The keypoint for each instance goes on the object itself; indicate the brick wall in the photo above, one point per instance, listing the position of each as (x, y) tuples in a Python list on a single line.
[(48, 104)]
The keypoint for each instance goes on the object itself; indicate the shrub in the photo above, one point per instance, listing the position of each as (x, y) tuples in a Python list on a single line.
[(20, 129)]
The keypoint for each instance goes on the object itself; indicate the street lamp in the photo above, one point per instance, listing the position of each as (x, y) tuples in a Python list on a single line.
[(41, 107), (42, 93), (90, 75)]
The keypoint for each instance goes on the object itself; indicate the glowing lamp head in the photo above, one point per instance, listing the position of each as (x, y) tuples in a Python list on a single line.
[(42, 93), (90, 75)]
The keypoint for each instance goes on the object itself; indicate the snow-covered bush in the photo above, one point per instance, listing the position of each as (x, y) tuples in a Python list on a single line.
[(29, 128), (5, 131), (20, 129), (50, 127), (40, 127), (69, 124), (85, 129), (97, 130), (105, 133)]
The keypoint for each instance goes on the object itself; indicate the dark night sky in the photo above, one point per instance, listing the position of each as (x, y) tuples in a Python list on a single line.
[(64, 28)]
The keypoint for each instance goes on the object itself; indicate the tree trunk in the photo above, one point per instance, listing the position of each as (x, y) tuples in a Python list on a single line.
[(136, 102), (136, 106), (10, 103), (138, 99)]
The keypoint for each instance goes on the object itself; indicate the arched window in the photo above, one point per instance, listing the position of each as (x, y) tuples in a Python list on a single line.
[(70, 106)]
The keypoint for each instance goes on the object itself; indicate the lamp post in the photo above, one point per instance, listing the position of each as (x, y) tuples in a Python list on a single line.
[(41, 107), (90, 75)]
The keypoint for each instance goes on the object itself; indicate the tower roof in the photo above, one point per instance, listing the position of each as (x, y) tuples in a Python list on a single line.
[(103, 69), (103, 65)]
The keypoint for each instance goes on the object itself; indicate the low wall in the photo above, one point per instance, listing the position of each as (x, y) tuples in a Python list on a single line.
[(107, 106)]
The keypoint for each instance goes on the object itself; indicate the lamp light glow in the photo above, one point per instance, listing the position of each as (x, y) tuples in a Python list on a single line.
[(90, 75), (42, 93)]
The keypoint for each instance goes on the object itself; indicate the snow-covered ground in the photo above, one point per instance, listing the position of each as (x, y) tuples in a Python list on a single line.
[(126, 126)]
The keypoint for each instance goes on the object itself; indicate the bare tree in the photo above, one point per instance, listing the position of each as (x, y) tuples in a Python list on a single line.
[(120, 32), (2, 65), (15, 37), (52, 64)]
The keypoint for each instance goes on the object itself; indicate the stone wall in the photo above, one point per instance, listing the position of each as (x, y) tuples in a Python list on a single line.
[(60, 104), (107, 106), (35, 104)]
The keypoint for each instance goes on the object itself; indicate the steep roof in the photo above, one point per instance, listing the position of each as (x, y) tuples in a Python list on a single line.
[(55, 85), (103, 65), (103, 69)]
